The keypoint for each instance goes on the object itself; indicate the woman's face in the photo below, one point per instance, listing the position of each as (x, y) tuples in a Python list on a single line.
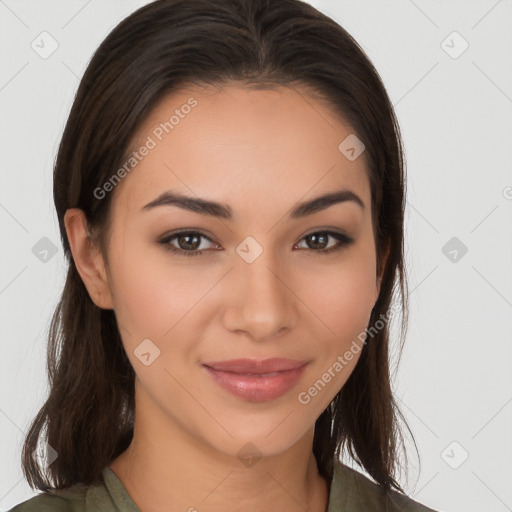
[(265, 283)]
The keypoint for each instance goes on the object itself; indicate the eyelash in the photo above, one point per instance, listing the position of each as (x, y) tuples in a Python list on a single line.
[(343, 240)]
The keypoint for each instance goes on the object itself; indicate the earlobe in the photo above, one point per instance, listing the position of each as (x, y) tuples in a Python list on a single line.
[(88, 258)]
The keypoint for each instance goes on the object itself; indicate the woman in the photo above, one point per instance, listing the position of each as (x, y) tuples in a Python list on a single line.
[(257, 137)]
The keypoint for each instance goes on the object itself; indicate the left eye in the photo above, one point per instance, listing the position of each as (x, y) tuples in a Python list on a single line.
[(189, 242), (320, 238)]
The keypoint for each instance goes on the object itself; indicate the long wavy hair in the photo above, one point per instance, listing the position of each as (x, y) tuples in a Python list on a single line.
[(88, 417)]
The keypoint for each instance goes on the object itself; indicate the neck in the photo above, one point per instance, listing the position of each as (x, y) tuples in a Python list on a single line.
[(166, 468)]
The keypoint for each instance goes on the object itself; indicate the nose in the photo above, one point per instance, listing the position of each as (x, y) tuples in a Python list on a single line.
[(261, 302)]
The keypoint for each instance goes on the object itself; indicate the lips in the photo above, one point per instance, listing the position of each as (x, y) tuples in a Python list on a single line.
[(256, 380), (255, 366)]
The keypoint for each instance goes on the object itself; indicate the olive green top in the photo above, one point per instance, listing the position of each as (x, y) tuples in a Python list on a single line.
[(350, 491)]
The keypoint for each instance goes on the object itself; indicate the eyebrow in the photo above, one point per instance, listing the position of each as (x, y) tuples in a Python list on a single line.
[(222, 211)]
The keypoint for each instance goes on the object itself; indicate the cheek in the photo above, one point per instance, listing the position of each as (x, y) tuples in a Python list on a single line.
[(151, 293), (343, 301), (343, 296)]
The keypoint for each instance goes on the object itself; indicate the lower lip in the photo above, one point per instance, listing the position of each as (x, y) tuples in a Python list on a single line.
[(254, 388)]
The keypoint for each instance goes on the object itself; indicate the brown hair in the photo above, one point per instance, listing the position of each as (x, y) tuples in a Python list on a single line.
[(88, 417)]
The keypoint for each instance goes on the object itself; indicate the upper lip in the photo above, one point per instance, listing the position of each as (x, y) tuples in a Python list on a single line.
[(256, 366)]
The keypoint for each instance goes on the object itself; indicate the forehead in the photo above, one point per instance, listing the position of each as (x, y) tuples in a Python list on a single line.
[(243, 146)]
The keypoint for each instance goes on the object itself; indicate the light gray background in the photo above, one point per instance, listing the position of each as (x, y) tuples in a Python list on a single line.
[(454, 379)]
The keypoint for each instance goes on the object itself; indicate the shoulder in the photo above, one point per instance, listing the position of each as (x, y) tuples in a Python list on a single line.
[(355, 491), (70, 500), (105, 495)]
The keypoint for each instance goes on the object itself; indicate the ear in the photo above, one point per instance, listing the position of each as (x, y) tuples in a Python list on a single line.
[(88, 258), (383, 266)]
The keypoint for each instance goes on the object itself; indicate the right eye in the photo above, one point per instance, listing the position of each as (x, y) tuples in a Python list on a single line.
[(188, 243)]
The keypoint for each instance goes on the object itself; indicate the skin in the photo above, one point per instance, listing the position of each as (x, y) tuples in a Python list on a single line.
[(261, 152)]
